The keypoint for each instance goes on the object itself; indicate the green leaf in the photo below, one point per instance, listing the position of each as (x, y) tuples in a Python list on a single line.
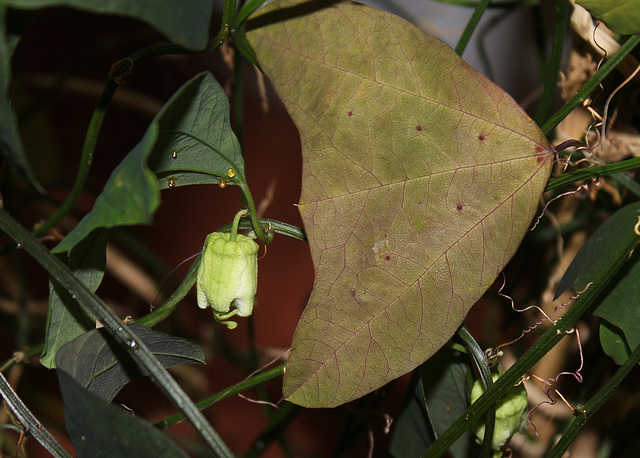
[(66, 319), (619, 307), (611, 239), (132, 193), (621, 16), (420, 178), (98, 429), (445, 379), (130, 196), (185, 22), (10, 142), (195, 143), (613, 342), (99, 365), (413, 432)]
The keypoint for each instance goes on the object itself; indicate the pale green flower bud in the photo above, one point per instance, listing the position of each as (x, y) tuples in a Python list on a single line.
[(228, 276), (511, 413)]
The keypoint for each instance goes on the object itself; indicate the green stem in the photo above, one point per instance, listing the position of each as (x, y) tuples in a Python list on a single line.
[(234, 225), (227, 393), (546, 342), (552, 70), (590, 85), (116, 328), (588, 173), (591, 407), (170, 304), (253, 214), (277, 227), (471, 26), (85, 160), (29, 422)]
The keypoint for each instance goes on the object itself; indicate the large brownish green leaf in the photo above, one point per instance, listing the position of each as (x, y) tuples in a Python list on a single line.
[(420, 178)]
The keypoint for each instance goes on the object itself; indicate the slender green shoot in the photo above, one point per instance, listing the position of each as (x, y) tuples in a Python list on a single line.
[(552, 69), (481, 6)]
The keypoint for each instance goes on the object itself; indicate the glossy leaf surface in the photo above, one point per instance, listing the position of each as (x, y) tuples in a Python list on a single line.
[(185, 22), (102, 367), (420, 178)]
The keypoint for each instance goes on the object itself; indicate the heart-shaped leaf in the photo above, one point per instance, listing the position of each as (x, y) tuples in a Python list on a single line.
[(420, 178)]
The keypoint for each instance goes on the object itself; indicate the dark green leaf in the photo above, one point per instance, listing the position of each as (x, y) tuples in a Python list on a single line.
[(185, 22), (413, 433), (439, 393), (10, 142), (66, 320), (195, 143), (612, 238), (613, 342), (619, 307), (131, 195), (445, 380), (101, 366), (98, 429)]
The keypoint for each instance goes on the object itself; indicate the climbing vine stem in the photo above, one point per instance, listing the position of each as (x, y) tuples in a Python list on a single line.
[(587, 411), (590, 85), (546, 342)]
